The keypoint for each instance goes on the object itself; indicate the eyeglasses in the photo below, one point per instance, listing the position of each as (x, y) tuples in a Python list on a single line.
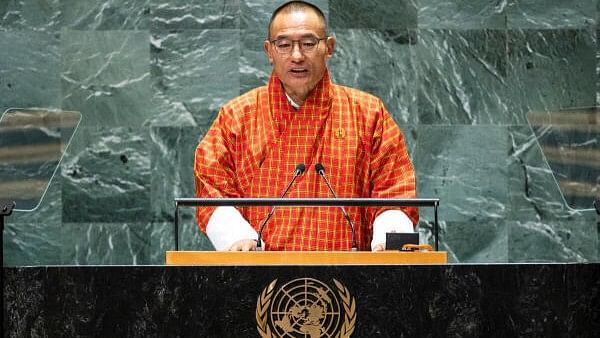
[(285, 46)]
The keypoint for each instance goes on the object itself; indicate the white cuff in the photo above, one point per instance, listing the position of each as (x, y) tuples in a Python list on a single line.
[(227, 226), (390, 221)]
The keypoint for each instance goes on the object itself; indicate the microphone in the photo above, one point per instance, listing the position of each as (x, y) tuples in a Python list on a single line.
[(321, 171), (299, 170)]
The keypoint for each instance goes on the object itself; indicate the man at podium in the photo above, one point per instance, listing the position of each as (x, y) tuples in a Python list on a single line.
[(299, 131)]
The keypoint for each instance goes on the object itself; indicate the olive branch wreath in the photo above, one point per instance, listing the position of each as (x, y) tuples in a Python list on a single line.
[(262, 304), (349, 310), (264, 300)]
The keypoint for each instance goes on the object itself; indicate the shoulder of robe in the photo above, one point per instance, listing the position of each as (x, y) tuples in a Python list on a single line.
[(240, 106)]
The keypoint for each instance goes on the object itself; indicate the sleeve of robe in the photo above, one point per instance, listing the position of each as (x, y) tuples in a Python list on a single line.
[(214, 168), (391, 171)]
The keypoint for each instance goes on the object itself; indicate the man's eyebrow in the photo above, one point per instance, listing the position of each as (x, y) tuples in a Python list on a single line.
[(306, 35)]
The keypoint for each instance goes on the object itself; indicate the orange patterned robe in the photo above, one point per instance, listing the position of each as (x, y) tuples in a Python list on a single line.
[(257, 140)]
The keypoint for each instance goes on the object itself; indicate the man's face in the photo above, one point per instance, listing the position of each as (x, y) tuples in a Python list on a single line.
[(299, 71)]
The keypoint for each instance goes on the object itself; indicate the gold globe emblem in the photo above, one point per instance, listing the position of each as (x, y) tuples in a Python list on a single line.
[(305, 307)]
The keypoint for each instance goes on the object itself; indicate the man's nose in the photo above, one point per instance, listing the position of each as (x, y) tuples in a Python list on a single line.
[(296, 51)]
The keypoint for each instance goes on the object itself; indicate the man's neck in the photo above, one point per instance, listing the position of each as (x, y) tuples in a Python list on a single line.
[(296, 99), (292, 102)]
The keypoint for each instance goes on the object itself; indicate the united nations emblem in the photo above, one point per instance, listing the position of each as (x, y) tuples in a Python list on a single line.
[(305, 307)]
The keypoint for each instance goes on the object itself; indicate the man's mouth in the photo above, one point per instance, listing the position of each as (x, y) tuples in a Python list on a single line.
[(298, 70)]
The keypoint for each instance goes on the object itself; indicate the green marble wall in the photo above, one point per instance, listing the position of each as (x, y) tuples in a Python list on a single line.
[(149, 76)]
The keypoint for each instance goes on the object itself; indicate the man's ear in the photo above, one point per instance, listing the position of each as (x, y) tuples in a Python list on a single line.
[(268, 50), (330, 44)]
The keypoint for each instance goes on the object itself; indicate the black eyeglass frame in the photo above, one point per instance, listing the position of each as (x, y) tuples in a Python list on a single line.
[(299, 44)]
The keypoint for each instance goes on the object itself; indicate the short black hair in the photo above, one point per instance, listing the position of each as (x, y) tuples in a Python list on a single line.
[(296, 5)]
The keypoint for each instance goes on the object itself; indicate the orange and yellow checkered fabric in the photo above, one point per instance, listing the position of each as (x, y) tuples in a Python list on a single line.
[(257, 140)]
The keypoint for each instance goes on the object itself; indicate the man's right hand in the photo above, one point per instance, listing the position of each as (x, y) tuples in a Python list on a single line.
[(243, 245)]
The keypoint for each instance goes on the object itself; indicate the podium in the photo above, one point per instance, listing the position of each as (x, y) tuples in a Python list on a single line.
[(303, 294), (437, 300), (224, 258)]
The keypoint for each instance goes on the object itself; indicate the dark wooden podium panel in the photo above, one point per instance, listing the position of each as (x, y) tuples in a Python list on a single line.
[(490, 300), (305, 258)]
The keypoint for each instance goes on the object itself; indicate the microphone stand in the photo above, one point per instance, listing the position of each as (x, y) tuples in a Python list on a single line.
[(299, 170), (321, 171)]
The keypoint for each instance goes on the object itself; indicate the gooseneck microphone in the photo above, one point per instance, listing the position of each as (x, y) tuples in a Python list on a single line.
[(321, 171), (299, 170)]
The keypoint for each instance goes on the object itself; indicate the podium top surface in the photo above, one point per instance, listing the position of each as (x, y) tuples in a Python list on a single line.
[(305, 258)]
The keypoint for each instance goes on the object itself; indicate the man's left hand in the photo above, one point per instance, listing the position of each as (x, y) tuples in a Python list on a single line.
[(243, 245), (378, 247)]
